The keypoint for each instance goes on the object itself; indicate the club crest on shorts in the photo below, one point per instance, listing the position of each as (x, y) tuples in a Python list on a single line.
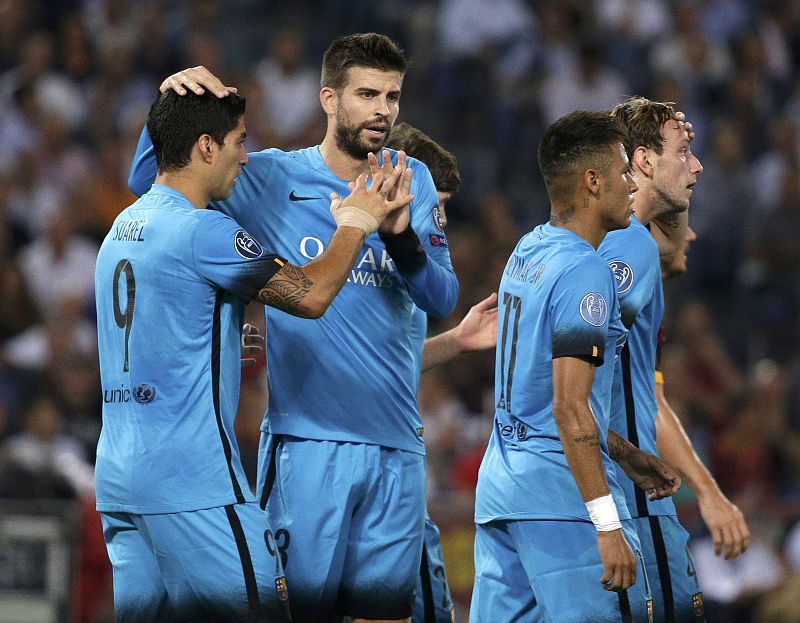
[(649, 611), (623, 275), (246, 245), (281, 588), (594, 309), (697, 605)]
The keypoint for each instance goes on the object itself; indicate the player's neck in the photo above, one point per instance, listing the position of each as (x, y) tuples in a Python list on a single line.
[(186, 185), (644, 204), (590, 232), (342, 165), (587, 228)]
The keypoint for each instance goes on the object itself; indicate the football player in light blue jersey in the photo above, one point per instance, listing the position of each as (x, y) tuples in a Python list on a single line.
[(729, 531), (665, 168), (341, 470), (186, 538), (552, 527), (476, 331)]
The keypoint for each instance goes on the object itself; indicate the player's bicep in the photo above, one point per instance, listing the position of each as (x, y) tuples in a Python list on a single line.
[(572, 379)]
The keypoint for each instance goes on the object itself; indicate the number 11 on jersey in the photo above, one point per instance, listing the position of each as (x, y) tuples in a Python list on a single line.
[(513, 308)]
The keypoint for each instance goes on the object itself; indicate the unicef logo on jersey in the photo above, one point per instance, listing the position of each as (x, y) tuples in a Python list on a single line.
[(144, 393), (246, 245), (594, 309), (623, 273)]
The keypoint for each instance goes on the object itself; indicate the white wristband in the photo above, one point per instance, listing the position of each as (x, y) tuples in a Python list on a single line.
[(350, 216), (603, 513)]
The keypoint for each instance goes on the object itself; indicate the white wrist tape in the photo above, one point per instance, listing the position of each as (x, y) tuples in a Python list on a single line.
[(349, 216), (603, 513)]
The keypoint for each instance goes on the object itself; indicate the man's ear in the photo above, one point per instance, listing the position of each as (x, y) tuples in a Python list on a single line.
[(205, 147), (591, 180), (642, 161), (329, 100)]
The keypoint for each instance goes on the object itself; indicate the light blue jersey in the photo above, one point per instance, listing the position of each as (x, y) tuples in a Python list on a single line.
[(419, 331), (632, 254), (556, 299), (170, 285), (351, 375)]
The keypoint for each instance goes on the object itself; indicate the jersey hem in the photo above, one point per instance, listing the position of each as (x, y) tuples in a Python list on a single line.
[(650, 513), (161, 509), (417, 448), (482, 518), (596, 359)]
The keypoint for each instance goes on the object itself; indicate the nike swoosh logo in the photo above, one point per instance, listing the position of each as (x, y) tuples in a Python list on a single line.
[(294, 197)]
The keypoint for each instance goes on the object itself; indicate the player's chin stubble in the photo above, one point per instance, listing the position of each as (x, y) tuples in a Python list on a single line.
[(668, 207), (349, 140)]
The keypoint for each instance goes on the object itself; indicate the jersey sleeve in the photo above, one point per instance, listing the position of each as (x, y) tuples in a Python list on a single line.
[(580, 307), (144, 166), (432, 283), (229, 258)]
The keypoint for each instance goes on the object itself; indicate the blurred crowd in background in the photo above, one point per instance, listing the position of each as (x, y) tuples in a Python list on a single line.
[(77, 78)]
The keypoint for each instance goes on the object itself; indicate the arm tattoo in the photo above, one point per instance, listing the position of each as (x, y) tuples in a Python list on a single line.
[(287, 288), (592, 439), (618, 446)]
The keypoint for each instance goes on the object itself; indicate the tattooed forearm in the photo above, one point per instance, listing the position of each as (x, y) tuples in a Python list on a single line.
[(618, 446), (592, 440), (286, 290)]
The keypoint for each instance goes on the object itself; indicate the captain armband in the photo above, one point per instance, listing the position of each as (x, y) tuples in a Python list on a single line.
[(659, 377)]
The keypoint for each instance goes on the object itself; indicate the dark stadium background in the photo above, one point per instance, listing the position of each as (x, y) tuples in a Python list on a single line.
[(77, 78)]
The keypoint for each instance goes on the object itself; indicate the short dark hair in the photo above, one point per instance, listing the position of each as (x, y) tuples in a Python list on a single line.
[(441, 163), (360, 50), (176, 122), (579, 139), (643, 120)]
